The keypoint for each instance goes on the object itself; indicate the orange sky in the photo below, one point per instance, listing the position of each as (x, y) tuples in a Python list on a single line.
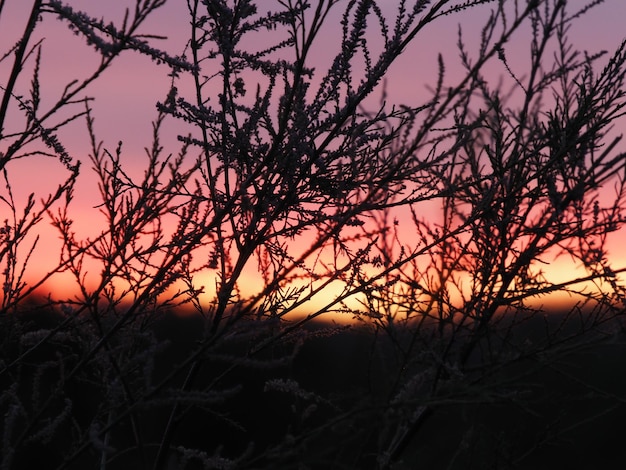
[(127, 93)]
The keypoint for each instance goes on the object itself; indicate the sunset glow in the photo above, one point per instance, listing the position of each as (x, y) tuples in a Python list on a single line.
[(125, 98)]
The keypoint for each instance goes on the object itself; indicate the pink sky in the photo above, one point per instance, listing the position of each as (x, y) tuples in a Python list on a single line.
[(127, 93)]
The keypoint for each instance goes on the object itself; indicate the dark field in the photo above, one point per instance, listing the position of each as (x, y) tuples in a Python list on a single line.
[(561, 408)]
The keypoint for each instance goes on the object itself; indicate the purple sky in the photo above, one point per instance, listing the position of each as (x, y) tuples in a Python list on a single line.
[(127, 93)]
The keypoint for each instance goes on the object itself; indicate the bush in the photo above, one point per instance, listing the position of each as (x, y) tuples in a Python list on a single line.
[(312, 182)]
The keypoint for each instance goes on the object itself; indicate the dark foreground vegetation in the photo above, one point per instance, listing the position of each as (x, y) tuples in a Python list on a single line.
[(323, 403), (287, 161)]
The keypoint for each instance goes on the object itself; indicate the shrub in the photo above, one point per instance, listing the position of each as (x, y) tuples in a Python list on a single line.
[(300, 177)]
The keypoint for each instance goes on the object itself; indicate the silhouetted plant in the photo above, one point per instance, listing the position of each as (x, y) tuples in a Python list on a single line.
[(294, 174)]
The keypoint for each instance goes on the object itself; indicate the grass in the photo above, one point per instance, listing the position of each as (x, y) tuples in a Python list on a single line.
[(565, 409)]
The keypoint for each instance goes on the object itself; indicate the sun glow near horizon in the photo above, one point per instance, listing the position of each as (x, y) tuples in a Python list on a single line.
[(126, 89)]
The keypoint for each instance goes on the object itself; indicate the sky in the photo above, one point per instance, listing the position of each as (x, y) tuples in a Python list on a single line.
[(125, 96)]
